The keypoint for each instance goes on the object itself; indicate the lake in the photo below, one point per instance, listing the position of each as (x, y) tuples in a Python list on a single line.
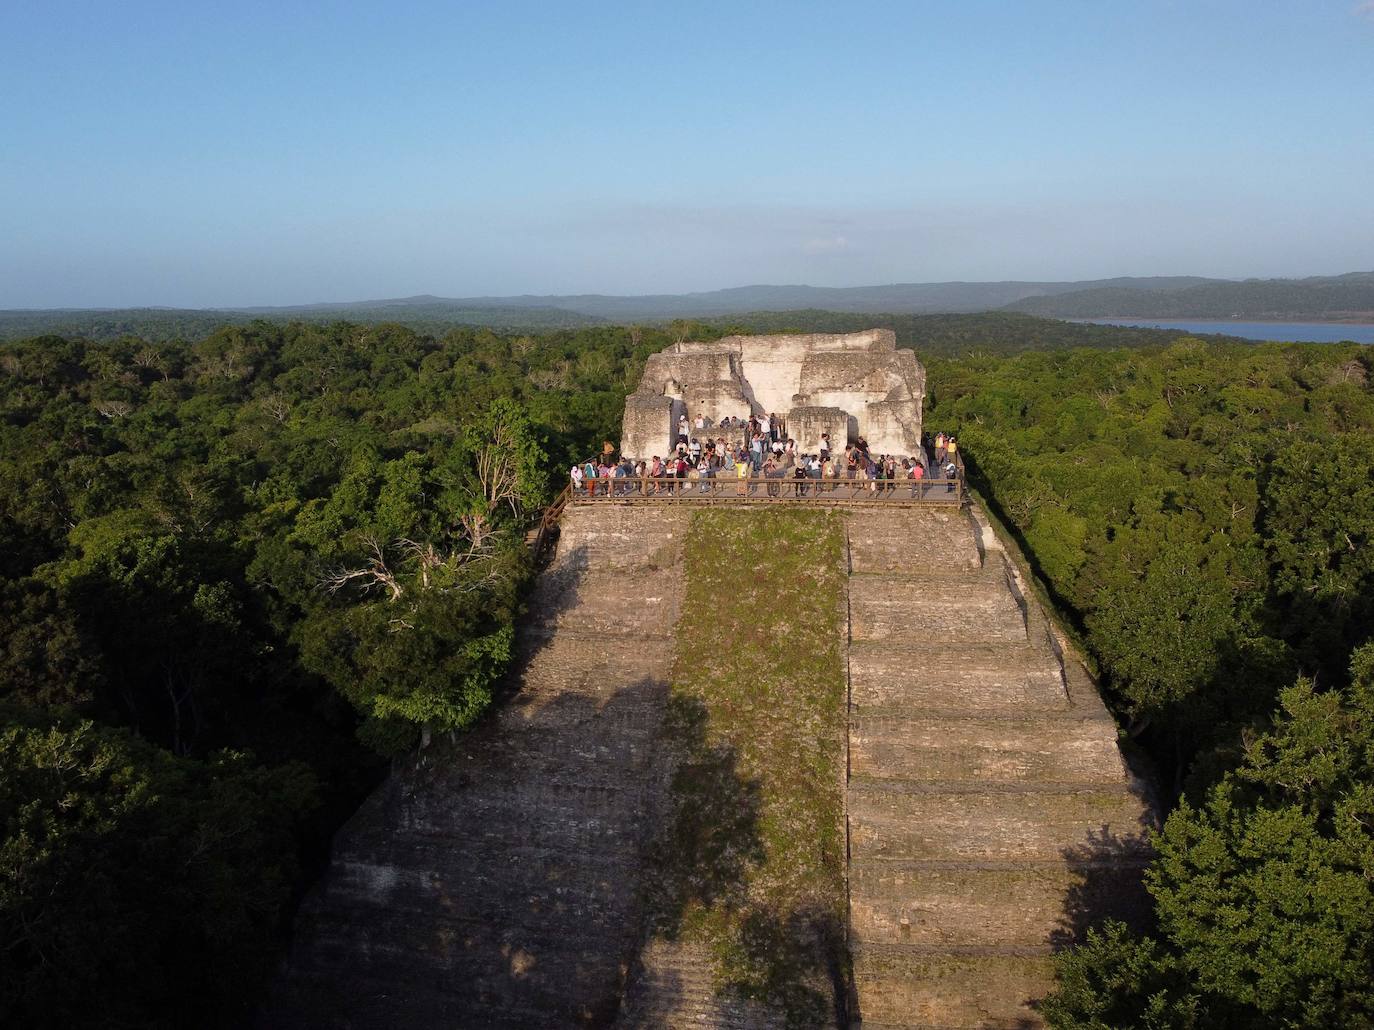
[(1296, 332)]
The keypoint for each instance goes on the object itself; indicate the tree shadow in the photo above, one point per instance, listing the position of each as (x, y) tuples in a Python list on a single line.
[(1107, 883), (711, 840), (504, 877), (771, 965)]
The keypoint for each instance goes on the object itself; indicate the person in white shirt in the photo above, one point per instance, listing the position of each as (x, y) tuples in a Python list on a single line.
[(576, 473)]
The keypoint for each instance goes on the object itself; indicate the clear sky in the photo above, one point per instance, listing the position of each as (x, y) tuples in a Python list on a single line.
[(203, 153)]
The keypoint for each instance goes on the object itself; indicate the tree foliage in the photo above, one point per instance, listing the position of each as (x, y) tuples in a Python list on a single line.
[(1202, 512), (1263, 891), (234, 571)]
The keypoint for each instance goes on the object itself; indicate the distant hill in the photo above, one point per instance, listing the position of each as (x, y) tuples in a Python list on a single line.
[(1330, 298), (900, 298), (193, 323), (1327, 298), (958, 335), (430, 313)]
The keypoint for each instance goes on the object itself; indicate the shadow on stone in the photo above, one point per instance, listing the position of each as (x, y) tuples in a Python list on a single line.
[(752, 963), (496, 880), (1107, 870)]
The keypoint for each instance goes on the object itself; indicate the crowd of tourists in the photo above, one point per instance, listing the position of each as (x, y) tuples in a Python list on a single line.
[(758, 447)]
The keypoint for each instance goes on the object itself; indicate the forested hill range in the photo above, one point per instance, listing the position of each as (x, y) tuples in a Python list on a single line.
[(1346, 297), (992, 332), (1341, 298)]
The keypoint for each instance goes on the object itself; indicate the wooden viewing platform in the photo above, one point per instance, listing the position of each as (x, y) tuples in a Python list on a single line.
[(731, 489)]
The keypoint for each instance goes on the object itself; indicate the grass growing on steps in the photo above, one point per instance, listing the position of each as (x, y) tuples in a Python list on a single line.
[(753, 863)]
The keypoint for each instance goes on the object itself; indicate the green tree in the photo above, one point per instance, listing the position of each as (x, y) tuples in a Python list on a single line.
[(1318, 517), (138, 889), (1263, 891)]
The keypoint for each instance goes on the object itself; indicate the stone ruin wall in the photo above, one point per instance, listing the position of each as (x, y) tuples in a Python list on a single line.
[(849, 385)]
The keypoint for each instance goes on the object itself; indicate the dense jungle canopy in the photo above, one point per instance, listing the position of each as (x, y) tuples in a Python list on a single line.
[(241, 573)]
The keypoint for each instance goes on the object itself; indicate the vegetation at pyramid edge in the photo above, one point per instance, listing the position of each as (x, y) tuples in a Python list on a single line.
[(1205, 514), (239, 572), (752, 867)]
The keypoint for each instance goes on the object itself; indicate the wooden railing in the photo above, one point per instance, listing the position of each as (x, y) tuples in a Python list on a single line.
[(730, 489), (544, 534)]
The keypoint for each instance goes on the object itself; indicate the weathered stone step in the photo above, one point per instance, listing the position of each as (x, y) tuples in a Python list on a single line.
[(631, 602), (900, 988), (577, 977), (926, 613), (949, 821), (624, 714), (956, 680), (1018, 905), (921, 747), (597, 815), (609, 757), (935, 570), (385, 1001), (619, 536), (912, 540), (673, 987), (538, 921), (583, 659)]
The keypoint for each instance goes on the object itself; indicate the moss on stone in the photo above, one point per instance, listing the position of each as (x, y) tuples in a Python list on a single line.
[(752, 865)]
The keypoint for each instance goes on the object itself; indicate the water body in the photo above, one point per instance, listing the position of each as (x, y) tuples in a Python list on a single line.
[(1289, 332)]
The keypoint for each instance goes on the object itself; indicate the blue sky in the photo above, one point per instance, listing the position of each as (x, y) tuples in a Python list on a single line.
[(202, 154)]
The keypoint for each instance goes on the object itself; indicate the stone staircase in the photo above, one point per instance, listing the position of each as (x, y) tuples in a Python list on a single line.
[(673, 987), (496, 882), (991, 815)]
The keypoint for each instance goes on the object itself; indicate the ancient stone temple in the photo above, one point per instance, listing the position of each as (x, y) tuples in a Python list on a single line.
[(849, 385)]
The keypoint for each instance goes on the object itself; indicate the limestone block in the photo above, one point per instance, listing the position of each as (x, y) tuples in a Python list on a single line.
[(715, 398), (607, 536), (1018, 750), (892, 427), (988, 992), (992, 906), (992, 825), (805, 425), (742, 375), (952, 679), (911, 540), (649, 426), (932, 612)]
